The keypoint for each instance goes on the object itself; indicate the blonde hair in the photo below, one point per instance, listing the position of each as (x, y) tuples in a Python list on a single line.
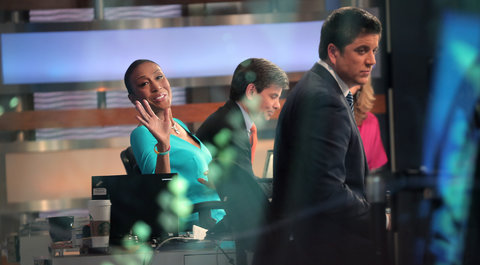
[(364, 100)]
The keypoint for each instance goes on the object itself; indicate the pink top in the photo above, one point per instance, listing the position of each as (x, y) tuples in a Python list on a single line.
[(372, 142)]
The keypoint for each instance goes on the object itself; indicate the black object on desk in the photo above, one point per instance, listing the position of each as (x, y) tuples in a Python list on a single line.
[(134, 199), (60, 228), (202, 208)]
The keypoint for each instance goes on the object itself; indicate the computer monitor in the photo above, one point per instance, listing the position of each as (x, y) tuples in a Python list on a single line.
[(136, 200), (268, 168)]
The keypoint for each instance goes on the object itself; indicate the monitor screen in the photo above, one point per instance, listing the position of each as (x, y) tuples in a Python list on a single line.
[(268, 168)]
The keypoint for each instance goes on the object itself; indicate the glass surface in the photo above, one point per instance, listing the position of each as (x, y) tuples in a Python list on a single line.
[(451, 139)]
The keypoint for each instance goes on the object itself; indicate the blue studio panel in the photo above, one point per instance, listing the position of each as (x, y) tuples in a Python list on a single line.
[(183, 52)]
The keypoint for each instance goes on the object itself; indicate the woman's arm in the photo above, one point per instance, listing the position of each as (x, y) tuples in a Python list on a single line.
[(159, 127)]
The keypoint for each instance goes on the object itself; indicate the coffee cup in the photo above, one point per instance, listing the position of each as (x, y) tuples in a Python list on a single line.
[(99, 211)]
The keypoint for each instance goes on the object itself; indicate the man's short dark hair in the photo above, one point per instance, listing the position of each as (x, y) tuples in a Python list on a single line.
[(128, 73), (261, 72), (344, 25)]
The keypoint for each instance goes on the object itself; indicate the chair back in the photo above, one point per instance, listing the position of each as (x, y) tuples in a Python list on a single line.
[(129, 162)]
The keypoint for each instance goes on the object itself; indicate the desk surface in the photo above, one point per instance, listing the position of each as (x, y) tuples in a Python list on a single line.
[(178, 254)]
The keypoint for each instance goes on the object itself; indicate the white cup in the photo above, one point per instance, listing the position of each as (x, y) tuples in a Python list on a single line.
[(77, 232), (99, 222)]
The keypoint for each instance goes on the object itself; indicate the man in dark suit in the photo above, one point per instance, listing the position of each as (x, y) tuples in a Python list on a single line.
[(254, 97), (319, 162)]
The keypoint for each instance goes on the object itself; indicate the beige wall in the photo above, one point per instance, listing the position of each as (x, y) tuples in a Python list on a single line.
[(58, 175), (260, 154), (67, 174)]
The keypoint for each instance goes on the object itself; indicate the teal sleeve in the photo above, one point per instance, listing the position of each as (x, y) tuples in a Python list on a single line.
[(142, 142)]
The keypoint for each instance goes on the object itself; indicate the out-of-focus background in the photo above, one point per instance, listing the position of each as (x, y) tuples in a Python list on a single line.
[(65, 115)]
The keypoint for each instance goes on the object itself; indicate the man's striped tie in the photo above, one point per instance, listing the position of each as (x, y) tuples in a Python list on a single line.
[(350, 100)]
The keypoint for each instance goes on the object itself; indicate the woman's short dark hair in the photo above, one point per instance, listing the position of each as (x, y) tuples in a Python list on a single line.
[(343, 25), (261, 72), (130, 69)]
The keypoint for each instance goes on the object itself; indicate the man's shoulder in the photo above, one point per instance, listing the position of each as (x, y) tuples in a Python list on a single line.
[(315, 90), (221, 114), (316, 84), (317, 79), (217, 120)]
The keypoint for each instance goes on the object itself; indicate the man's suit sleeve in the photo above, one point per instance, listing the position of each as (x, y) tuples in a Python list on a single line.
[(329, 146)]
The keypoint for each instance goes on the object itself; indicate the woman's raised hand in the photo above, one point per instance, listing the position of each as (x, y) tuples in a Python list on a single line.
[(159, 127)]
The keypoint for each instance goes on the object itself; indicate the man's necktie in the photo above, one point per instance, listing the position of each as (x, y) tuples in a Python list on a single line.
[(253, 139), (349, 98)]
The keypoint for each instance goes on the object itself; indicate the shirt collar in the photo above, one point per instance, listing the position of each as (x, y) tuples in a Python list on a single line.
[(340, 82), (246, 117)]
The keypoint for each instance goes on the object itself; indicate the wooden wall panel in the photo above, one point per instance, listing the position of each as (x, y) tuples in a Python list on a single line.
[(30, 120), (189, 113)]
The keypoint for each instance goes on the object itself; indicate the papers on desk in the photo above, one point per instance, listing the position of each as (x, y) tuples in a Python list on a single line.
[(199, 232)]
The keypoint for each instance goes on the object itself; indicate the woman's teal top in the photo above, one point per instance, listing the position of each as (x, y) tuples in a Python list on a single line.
[(189, 161)]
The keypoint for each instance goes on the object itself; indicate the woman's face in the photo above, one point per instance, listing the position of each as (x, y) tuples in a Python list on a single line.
[(149, 82)]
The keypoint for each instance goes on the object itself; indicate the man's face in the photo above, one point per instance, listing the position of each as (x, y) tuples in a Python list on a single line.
[(270, 100), (355, 63)]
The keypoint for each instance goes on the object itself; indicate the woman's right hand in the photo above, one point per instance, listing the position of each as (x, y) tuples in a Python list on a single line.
[(159, 127)]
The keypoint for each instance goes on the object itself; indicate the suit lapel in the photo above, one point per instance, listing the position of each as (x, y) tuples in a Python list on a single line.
[(330, 80)]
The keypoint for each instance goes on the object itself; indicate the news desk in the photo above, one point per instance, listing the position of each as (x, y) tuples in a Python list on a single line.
[(198, 253)]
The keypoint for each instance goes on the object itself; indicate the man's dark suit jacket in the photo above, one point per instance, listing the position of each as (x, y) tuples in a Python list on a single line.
[(228, 117), (319, 174)]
